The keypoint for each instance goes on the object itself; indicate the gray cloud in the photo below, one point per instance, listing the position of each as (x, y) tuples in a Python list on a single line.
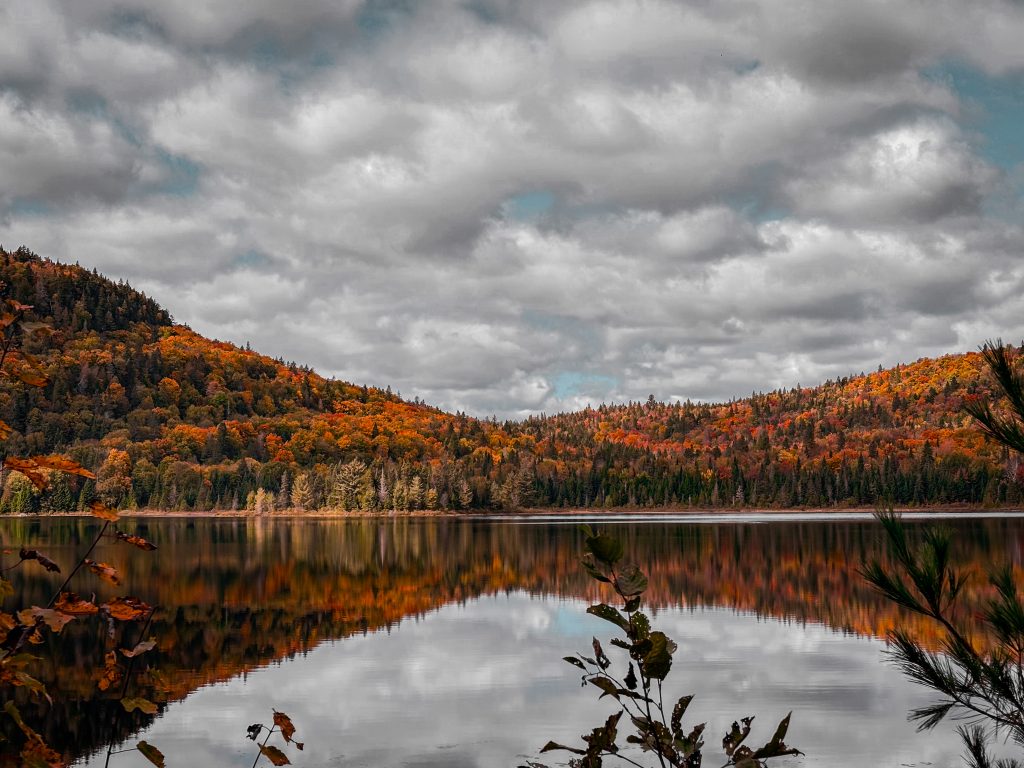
[(507, 207)]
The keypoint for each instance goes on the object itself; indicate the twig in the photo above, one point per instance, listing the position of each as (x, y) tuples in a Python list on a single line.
[(81, 562), (259, 754), (127, 682)]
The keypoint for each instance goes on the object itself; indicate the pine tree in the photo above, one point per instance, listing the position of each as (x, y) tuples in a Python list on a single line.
[(345, 483), (284, 493), (383, 491), (465, 494), (59, 496), (415, 493), (302, 493)]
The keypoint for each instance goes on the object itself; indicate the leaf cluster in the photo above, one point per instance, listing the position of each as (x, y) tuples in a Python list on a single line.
[(636, 684), (27, 625), (282, 724)]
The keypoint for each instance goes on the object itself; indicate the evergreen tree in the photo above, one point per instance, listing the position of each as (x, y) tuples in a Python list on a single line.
[(302, 493)]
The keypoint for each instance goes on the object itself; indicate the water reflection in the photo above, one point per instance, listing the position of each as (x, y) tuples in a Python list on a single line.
[(479, 679), (482, 683)]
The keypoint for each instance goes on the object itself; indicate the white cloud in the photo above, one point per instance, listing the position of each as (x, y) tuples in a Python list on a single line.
[(718, 198)]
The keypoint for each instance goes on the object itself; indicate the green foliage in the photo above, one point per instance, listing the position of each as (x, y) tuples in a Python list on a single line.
[(1005, 428), (978, 672), (636, 684), (978, 675)]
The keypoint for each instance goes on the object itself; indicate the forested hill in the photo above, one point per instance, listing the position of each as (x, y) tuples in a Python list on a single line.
[(168, 419)]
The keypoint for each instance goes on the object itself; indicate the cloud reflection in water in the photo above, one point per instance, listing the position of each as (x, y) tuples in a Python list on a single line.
[(482, 685)]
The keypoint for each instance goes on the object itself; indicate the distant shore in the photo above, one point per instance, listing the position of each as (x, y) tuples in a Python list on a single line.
[(538, 512)]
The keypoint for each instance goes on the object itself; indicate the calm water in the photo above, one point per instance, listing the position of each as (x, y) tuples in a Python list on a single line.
[(439, 642)]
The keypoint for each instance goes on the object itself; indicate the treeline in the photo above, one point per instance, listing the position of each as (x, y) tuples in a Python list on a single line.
[(168, 419)]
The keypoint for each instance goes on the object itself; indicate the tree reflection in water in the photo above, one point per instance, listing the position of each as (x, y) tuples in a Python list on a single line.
[(238, 594)]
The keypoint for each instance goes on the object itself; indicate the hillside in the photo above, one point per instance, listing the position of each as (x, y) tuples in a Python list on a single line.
[(168, 419)]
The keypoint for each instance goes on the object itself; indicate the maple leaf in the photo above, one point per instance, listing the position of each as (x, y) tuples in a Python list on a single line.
[(102, 511), (55, 620)]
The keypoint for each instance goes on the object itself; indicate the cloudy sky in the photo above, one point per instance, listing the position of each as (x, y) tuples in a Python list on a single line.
[(516, 206)]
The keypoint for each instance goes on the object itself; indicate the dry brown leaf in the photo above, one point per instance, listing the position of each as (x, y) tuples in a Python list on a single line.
[(43, 560), (111, 674), (7, 622), (139, 649), (151, 753), (103, 570), (15, 637), (139, 703), (35, 753), (30, 469), (136, 541), (73, 605), (274, 755), (55, 620), (126, 608), (34, 468), (284, 723), (102, 511), (61, 464), (28, 682)]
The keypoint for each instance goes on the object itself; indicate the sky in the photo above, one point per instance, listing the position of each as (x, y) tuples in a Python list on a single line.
[(519, 206)]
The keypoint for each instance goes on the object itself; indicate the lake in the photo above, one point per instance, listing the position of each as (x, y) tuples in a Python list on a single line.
[(438, 641)]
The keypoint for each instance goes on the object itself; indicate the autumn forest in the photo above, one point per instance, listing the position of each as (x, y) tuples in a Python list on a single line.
[(167, 419)]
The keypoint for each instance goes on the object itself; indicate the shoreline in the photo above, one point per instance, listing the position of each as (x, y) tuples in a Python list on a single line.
[(936, 510)]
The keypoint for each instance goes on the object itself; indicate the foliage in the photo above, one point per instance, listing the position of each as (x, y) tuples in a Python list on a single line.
[(1007, 429), (165, 418), (28, 625), (638, 691), (283, 726), (983, 684)]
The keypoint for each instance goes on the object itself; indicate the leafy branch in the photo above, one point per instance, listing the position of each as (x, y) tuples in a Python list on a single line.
[(983, 687), (638, 692), (282, 725), (27, 625)]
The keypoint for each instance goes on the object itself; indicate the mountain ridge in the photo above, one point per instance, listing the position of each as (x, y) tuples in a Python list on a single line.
[(170, 419)]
